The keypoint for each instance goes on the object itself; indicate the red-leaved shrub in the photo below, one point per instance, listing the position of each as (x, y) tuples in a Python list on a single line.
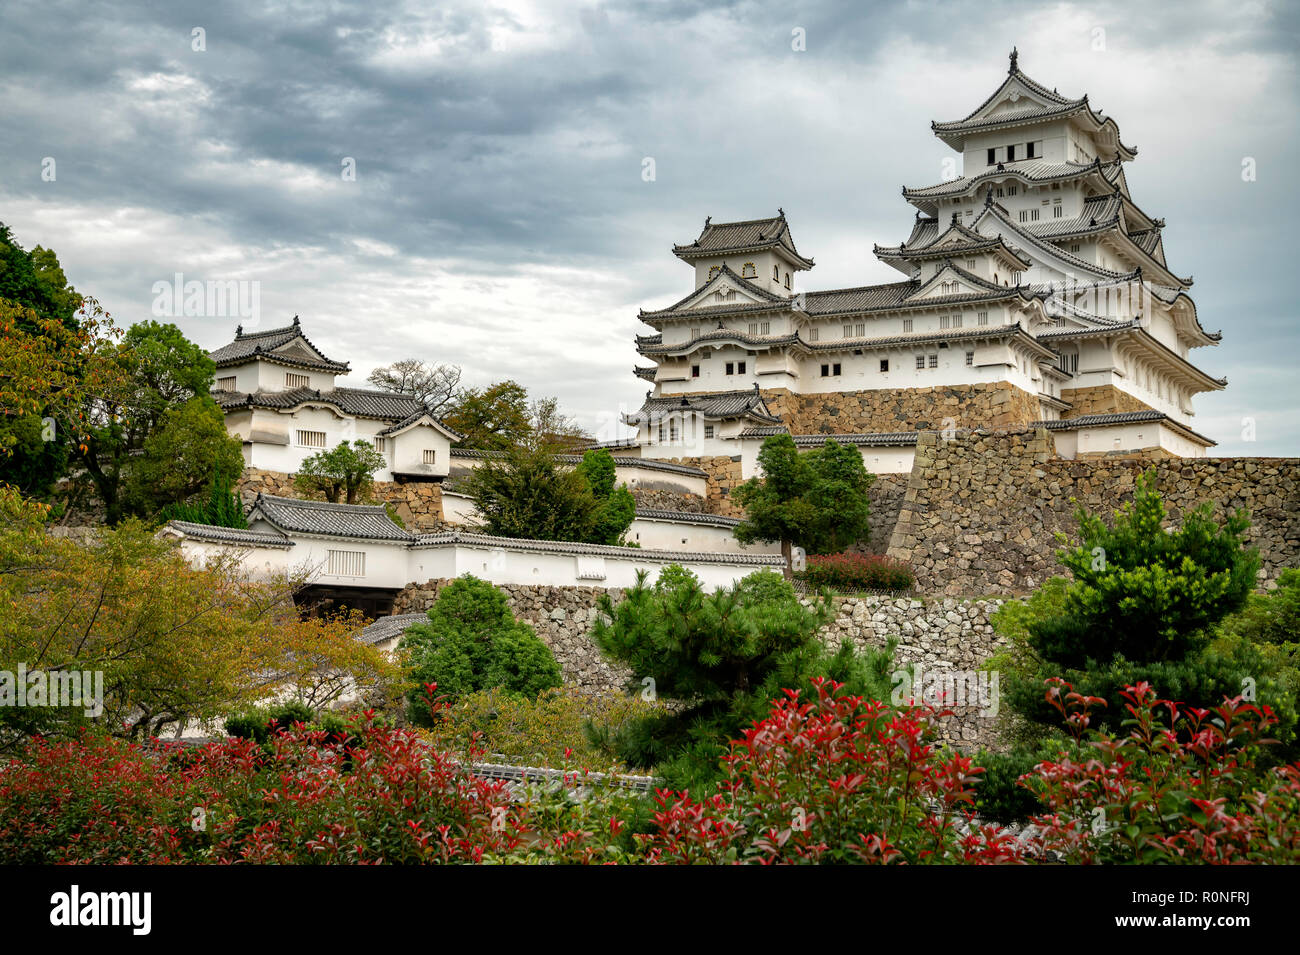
[(856, 572)]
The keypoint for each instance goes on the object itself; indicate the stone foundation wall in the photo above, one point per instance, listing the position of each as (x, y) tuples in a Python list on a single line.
[(993, 405), (661, 500), (723, 478), (981, 511), (942, 635), (1100, 399), (886, 496), (418, 504), (562, 617)]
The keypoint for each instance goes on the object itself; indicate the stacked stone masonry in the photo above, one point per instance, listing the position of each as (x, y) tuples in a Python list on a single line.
[(418, 504), (994, 405), (946, 634), (1099, 399), (981, 511)]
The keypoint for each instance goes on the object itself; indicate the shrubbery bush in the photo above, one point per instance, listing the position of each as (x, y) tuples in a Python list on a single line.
[(472, 641), (848, 573)]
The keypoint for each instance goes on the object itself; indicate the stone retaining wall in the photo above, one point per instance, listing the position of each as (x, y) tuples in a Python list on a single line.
[(418, 503), (993, 405), (947, 634), (981, 511)]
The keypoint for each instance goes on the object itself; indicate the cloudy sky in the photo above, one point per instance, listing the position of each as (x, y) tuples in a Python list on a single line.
[(498, 216)]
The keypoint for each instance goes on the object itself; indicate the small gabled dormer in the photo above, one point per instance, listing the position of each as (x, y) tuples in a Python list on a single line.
[(274, 360), (761, 251)]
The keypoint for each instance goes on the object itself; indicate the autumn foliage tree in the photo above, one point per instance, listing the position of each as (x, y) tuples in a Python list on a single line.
[(174, 642)]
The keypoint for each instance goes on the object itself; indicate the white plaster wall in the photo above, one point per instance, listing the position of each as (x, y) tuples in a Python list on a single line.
[(659, 534)]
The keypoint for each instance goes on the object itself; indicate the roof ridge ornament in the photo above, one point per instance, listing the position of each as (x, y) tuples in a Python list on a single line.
[(295, 321), (1015, 61), (239, 331)]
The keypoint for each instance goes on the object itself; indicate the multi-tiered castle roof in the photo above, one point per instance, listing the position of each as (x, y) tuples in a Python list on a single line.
[(1034, 274)]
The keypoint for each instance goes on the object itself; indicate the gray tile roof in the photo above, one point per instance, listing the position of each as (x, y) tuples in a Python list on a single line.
[(685, 517), (229, 535), (1123, 417), (620, 461), (361, 521), (596, 550), (386, 628), (751, 234), (727, 404), (360, 402), (1028, 170), (273, 344), (645, 372), (864, 439)]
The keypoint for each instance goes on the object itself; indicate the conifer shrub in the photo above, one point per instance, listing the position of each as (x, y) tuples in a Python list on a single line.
[(472, 641)]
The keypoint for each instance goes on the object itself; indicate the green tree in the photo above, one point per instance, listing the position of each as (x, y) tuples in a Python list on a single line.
[(471, 642), (495, 418), (1144, 604), (34, 290), (526, 494), (158, 369), (345, 473), (615, 506), (817, 499), (181, 457), (723, 656)]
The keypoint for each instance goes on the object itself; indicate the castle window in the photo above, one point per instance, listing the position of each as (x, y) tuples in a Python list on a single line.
[(695, 332), (695, 371), (1012, 190), (944, 321), (776, 273), (982, 318), (1024, 215), (826, 370), (934, 361), (956, 321), (430, 456), (907, 324), (970, 358), (672, 430), (296, 381), (835, 369), (765, 328), (311, 439), (346, 563), (814, 334), (787, 279), (860, 330), (1033, 215), (753, 328), (748, 271), (226, 384), (992, 156), (998, 192), (1057, 212), (1074, 247), (708, 430), (662, 432), (970, 265), (920, 361), (848, 331), (731, 368), (884, 365), (381, 444), (1011, 154), (740, 367)]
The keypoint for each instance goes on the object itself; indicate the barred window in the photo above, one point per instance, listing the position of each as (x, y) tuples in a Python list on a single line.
[(934, 361), (226, 384), (346, 563), (296, 381), (311, 439), (430, 456), (907, 324), (920, 361)]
